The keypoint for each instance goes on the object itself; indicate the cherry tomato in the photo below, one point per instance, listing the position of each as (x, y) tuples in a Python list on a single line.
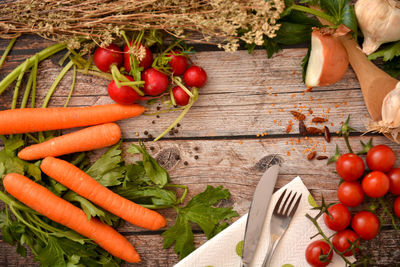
[(375, 184), (394, 178), (178, 63), (155, 82), (350, 194), (396, 207), (381, 158), (341, 241), (181, 97), (315, 250), (195, 76), (350, 167), (340, 217), (103, 58), (123, 95), (144, 62), (365, 224)]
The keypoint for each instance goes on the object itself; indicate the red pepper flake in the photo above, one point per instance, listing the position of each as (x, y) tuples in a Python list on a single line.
[(319, 120), (311, 98), (269, 87), (298, 115), (302, 128), (294, 72), (314, 130), (288, 128), (311, 155), (288, 153)]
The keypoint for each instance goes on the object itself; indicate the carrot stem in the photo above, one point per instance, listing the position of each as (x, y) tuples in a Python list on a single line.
[(18, 85), (172, 97), (55, 83), (72, 87), (27, 90), (34, 70), (7, 51), (184, 187), (32, 137), (45, 53)]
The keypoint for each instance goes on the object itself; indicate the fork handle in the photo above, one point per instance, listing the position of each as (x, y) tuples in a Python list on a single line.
[(270, 251)]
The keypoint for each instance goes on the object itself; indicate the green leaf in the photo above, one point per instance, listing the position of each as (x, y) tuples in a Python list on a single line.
[(239, 248), (292, 33), (392, 67), (312, 201), (52, 254), (147, 195), (21, 250), (388, 52), (304, 64), (271, 46), (342, 11), (199, 210), (107, 170)]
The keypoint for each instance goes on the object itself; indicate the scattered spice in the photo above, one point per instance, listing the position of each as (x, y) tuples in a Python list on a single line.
[(152, 148), (137, 134), (158, 116), (314, 130), (311, 155), (327, 134), (158, 107), (196, 157), (302, 128), (319, 120), (177, 157), (289, 128), (178, 125), (322, 157), (196, 148), (288, 153), (298, 116), (186, 163), (153, 122), (150, 136), (146, 133), (171, 132)]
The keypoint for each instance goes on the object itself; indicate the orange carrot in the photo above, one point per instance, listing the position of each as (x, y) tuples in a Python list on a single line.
[(61, 211), (83, 140), (27, 120), (84, 185)]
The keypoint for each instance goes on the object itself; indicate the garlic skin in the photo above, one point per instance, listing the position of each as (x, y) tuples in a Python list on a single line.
[(379, 21), (391, 108)]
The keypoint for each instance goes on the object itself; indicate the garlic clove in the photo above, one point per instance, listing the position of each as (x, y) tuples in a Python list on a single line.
[(391, 108), (379, 21)]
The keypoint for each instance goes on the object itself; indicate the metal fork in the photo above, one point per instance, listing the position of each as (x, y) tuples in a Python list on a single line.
[(281, 217)]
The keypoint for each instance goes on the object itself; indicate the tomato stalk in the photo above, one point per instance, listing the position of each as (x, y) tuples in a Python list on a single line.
[(345, 132), (386, 210)]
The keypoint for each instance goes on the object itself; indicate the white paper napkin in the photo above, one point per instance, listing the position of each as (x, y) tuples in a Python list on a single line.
[(220, 251)]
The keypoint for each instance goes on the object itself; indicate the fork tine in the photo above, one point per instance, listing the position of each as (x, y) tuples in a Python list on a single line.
[(288, 206), (283, 206), (296, 205), (278, 203)]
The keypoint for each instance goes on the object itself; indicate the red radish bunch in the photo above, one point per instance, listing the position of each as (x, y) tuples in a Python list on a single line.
[(381, 179), (155, 81)]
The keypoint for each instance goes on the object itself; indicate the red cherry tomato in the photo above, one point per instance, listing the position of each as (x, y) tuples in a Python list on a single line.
[(396, 207), (341, 241), (123, 95), (181, 97), (195, 76), (365, 224), (340, 217), (394, 178), (381, 158), (144, 62), (103, 58), (375, 184), (155, 82), (178, 63), (350, 194), (315, 250), (350, 167)]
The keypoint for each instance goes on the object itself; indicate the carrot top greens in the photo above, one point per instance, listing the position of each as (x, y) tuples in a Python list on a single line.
[(145, 182)]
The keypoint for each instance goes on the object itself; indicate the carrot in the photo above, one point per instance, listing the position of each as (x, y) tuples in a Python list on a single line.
[(83, 140), (25, 120), (61, 211), (84, 185)]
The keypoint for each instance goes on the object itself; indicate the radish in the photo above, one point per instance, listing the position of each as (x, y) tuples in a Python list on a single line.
[(144, 62), (124, 95), (181, 97), (195, 76), (328, 60), (178, 63), (155, 82), (105, 57)]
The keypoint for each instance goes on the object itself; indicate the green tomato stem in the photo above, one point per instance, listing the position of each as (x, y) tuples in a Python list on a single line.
[(45, 53), (314, 12), (7, 51), (346, 140), (18, 85), (72, 87), (56, 82)]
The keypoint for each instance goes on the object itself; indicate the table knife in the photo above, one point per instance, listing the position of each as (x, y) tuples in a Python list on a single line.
[(258, 211)]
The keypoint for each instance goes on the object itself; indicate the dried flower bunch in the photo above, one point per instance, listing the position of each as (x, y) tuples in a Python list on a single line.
[(217, 21)]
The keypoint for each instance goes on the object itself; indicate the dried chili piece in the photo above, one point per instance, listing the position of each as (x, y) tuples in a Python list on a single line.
[(298, 116)]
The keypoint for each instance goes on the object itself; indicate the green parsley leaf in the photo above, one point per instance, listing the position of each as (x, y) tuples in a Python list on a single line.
[(199, 210), (388, 52), (52, 254), (107, 170), (342, 11), (392, 67), (304, 64)]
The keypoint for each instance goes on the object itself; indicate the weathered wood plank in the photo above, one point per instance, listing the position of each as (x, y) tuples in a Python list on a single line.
[(235, 102)]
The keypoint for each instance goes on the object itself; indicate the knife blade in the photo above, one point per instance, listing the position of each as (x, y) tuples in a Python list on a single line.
[(258, 211)]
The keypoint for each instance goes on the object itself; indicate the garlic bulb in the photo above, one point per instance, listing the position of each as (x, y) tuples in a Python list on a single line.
[(379, 21)]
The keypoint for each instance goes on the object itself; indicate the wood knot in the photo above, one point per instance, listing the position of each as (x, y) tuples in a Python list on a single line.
[(168, 157)]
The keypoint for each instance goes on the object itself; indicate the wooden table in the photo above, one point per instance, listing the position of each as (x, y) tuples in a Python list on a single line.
[(241, 116)]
